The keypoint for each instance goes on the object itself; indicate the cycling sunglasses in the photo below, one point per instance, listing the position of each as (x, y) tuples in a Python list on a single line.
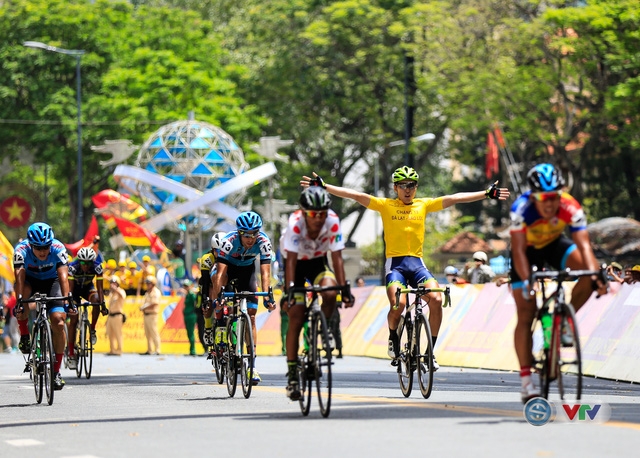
[(86, 263), (545, 196), (316, 213), (41, 248), (411, 185), (249, 234)]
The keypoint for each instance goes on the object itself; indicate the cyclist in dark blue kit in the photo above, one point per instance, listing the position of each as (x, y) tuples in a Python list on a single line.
[(82, 272), (40, 266)]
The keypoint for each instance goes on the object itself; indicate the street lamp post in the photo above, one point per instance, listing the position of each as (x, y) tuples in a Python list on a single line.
[(77, 53)]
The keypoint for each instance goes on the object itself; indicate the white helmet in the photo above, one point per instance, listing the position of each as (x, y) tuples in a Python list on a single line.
[(216, 240), (86, 254), (450, 270), (480, 256)]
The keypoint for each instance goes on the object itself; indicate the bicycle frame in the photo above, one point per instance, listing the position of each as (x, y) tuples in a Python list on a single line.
[(416, 343), (83, 345), (314, 364), (40, 361), (557, 358)]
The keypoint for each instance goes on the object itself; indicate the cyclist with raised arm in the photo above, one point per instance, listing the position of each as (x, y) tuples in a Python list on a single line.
[(40, 266), (82, 272), (538, 220), (403, 221), (238, 253), (311, 233)]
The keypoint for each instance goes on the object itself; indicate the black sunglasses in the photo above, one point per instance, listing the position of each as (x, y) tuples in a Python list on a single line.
[(411, 185)]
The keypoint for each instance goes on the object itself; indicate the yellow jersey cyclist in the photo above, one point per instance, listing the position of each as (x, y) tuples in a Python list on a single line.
[(403, 221), (539, 218), (311, 233), (82, 272), (236, 260), (208, 270)]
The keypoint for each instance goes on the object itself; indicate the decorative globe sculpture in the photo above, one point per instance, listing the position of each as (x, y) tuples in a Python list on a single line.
[(194, 153)]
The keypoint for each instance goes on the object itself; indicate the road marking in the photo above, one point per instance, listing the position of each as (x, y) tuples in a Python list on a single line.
[(23, 442)]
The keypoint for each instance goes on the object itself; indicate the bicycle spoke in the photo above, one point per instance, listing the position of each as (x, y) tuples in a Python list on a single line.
[(569, 361), (48, 360), (232, 372), (34, 357), (305, 384), (88, 346), (320, 348), (246, 346)]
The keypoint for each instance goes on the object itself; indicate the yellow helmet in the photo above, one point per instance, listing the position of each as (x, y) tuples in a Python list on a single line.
[(112, 264), (133, 265)]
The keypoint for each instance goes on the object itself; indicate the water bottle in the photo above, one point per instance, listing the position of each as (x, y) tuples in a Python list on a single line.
[(546, 320), (234, 333), (306, 339)]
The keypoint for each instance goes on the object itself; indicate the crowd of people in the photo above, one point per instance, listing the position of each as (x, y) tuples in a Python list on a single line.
[(311, 247)]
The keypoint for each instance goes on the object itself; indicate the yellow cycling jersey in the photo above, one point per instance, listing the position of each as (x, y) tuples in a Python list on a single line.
[(404, 224), (207, 262)]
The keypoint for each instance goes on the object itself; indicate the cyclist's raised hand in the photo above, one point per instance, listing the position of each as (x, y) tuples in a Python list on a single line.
[(496, 193), (315, 181)]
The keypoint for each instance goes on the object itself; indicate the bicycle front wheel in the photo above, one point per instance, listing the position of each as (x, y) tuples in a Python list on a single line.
[(232, 366), (320, 351), (305, 380), (245, 345), (424, 355), (405, 374), (218, 362), (80, 347), (569, 357), (37, 375), (47, 359), (88, 350)]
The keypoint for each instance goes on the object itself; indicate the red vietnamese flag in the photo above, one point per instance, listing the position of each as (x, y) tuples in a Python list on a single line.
[(111, 202), (15, 211), (87, 240), (492, 159), (136, 235)]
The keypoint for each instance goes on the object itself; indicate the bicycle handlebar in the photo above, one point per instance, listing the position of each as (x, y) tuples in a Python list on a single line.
[(41, 297), (421, 291), (248, 294), (316, 289), (561, 276)]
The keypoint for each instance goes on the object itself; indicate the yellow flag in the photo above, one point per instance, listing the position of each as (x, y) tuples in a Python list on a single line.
[(6, 259)]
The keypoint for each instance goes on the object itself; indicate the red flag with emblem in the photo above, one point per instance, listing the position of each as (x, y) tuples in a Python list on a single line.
[(136, 235), (93, 230)]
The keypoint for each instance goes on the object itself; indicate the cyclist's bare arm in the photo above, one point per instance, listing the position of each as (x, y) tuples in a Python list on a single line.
[(290, 267), (63, 279), (583, 242), (216, 281), (18, 287), (466, 197), (265, 277), (346, 193), (341, 278), (519, 253)]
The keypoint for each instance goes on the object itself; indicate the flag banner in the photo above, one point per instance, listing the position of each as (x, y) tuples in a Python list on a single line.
[(492, 164), (93, 230), (136, 235), (112, 203), (6, 259)]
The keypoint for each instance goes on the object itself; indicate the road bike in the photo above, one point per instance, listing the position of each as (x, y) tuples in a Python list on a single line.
[(416, 342), (39, 363), (84, 346), (314, 362), (556, 342), (235, 355)]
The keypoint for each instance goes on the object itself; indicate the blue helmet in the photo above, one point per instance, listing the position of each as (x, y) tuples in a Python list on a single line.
[(544, 178), (40, 234), (248, 221)]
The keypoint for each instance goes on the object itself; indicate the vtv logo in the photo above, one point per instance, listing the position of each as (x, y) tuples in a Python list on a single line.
[(590, 413)]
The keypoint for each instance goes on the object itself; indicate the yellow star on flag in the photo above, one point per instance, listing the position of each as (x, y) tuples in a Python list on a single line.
[(15, 211)]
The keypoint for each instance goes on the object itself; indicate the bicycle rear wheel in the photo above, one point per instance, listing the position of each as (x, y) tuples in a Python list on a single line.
[(47, 359), (305, 382), (245, 345), (88, 350), (218, 362), (321, 354), (37, 374), (424, 355), (540, 356), (232, 371), (405, 374), (569, 358)]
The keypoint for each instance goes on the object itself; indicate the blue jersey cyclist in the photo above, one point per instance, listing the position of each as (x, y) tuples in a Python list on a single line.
[(40, 266), (238, 253), (538, 220), (403, 221), (82, 272)]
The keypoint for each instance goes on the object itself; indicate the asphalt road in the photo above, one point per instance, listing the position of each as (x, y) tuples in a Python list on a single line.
[(157, 406)]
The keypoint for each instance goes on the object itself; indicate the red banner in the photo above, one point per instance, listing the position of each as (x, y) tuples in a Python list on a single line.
[(93, 230), (112, 203), (136, 235), (492, 164)]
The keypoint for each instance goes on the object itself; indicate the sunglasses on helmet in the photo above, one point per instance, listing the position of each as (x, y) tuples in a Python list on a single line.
[(545, 196)]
